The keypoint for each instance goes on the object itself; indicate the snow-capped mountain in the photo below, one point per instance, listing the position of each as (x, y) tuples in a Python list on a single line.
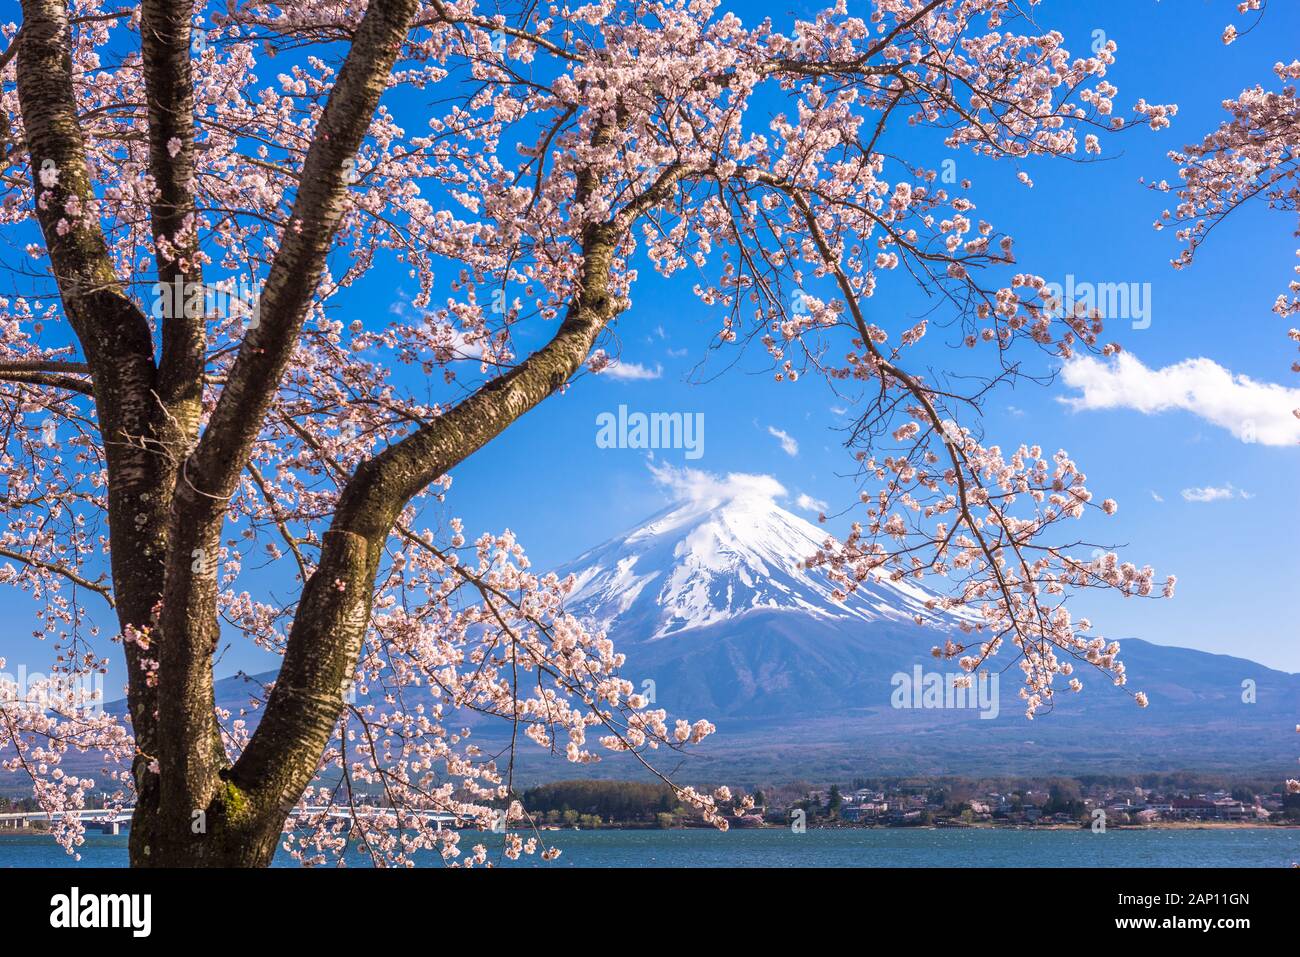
[(727, 552), (717, 620), (709, 603)]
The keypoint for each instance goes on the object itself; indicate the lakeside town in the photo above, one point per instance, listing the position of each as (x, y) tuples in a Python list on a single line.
[(1053, 805), (911, 802), (1179, 801)]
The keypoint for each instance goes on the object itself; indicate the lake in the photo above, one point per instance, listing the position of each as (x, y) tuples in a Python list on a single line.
[(880, 847)]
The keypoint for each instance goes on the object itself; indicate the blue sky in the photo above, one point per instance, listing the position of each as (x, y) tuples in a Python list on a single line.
[(548, 481), (1235, 558)]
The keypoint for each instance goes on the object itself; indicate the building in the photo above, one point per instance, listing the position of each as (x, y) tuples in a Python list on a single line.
[(1195, 808)]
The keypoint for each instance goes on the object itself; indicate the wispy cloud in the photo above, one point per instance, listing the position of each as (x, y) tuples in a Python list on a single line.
[(1157, 497), (810, 504), (1252, 411), (631, 371), (1213, 493), (789, 445), (699, 486), (447, 340)]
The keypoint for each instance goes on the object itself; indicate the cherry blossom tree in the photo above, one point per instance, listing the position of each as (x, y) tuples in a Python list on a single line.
[(1252, 158), (189, 388)]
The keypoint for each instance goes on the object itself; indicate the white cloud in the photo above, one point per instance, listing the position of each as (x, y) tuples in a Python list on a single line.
[(1156, 496), (808, 503), (709, 489), (788, 443), (444, 335), (1252, 411), (631, 371), (1212, 493), (699, 486)]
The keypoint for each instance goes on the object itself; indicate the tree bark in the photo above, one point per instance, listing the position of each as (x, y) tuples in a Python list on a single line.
[(118, 347)]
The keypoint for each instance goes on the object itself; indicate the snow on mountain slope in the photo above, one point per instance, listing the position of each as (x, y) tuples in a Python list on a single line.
[(726, 550)]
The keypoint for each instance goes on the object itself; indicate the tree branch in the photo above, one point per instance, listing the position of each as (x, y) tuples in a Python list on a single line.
[(54, 381), (114, 335), (104, 591), (192, 755), (165, 48), (300, 260)]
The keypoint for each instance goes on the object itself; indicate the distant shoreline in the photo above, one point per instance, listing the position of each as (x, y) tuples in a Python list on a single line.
[(986, 826), (979, 826)]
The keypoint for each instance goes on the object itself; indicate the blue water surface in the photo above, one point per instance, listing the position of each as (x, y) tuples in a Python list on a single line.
[(879, 847)]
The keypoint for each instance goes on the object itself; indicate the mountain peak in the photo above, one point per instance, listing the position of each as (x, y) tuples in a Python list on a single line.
[(724, 549)]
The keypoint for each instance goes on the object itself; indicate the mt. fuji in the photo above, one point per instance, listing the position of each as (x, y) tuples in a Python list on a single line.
[(718, 621), (724, 553), (709, 603)]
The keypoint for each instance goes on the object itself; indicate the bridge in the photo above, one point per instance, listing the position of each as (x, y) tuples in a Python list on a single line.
[(110, 822), (107, 821)]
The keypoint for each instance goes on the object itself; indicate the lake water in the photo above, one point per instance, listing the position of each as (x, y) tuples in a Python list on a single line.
[(880, 847)]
